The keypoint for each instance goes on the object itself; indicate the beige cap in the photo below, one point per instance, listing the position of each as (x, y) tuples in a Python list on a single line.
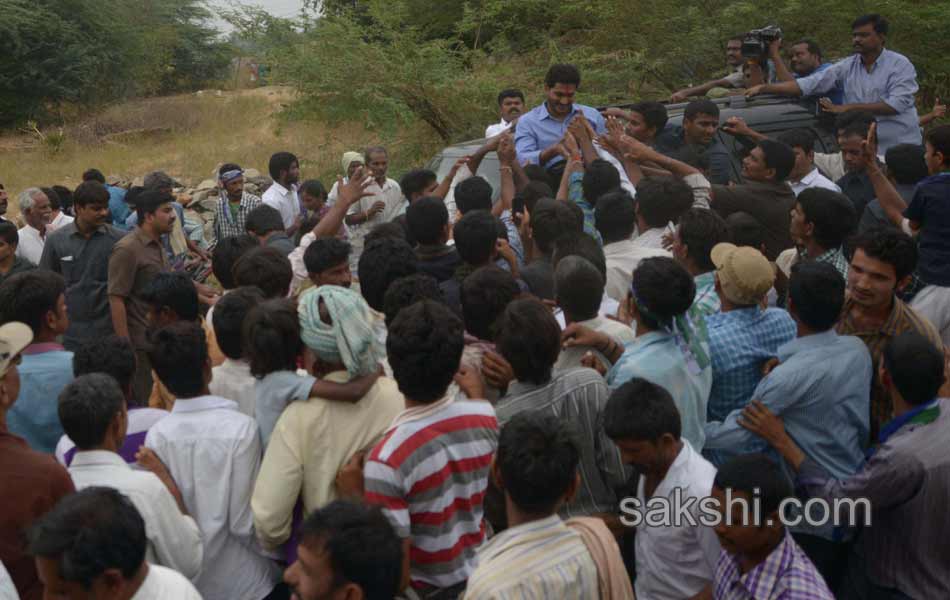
[(14, 337), (745, 275)]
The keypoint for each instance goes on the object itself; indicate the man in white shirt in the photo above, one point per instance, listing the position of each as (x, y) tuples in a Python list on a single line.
[(510, 105), (677, 558), (232, 379), (93, 545), (36, 211), (92, 411), (282, 194), (213, 452), (58, 218), (383, 203), (805, 174)]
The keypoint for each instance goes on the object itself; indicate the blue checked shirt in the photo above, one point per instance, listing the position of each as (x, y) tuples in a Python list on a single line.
[(740, 341), (786, 573), (575, 194), (706, 301)]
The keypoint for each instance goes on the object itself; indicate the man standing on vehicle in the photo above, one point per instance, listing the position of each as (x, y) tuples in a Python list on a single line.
[(874, 79), (805, 59), (734, 62), (541, 130), (511, 106), (698, 133)]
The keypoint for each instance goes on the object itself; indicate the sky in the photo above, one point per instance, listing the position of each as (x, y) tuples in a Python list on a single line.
[(278, 8)]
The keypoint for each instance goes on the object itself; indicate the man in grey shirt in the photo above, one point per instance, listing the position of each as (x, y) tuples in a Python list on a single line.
[(80, 253)]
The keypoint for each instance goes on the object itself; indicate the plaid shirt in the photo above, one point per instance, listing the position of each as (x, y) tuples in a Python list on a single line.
[(575, 194), (740, 341), (225, 225), (786, 574), (836, 259), (706, 301)]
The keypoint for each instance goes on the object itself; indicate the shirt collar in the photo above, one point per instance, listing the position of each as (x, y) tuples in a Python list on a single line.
[(42, 348), (547, 113), (705, 279), (526, 533), (419, 412), (144, 237), (279, 189), (200, 403), (763, 577), (801, 344), (810, 178), (891, 326), (924, 413), (98, 458)]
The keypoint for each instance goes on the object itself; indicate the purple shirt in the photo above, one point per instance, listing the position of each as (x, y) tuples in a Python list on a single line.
[(786, 574), (140, 420)]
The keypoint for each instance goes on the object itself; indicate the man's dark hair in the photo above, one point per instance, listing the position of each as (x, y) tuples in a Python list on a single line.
[(939, 138), (226, 253), (325, 253), (263, 219), (700, 229), (857, 128), (279, 162), (361, 545), (534, 191), (179, 354), (700, 107), (427, 218), (615, 216), (408, 290), (313, 187), (474, 193), (265, 268), (54, 202), (663, 199), (916, 367), (424, 347), (583, 245), (383, 262), (87, 406), (736, 38), (537, 456), (654, 114), (641, 411), (415, 182), (800, 137), (175, 291), (89, 532), (112, 355), (852, 117), (778, 156), (745, 230), (509, 93), (484, 295), (600, 177), (562, 73), (229, 315), (28, 297), (476, 234), (65, 197), (9, 233), (90, 192), (549, 221), (832, 214), (132, 197), (390, 230), (148, 201), (579, 288), (905, 163), (879, 23), (816, 290), (271, 336), (664, 290), (888, 245), (530, 340), (758, 476), (813, 47), (371, 150), (94, 175)]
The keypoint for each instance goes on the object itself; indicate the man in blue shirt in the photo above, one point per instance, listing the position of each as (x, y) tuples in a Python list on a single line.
[(821, 389), (541, 129), (805, 58), (874, 79)]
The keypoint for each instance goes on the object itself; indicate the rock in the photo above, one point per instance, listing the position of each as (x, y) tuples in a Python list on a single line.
[(251, 174), (207, 184)]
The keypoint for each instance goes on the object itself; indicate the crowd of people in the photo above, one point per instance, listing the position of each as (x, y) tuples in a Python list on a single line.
[(565, 387)]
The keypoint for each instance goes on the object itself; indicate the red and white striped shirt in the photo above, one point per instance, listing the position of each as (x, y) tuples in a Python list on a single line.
[(429, 474)]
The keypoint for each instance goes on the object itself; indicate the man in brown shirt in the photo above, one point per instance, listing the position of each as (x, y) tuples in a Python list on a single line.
[(883, 261), (32, 482), (135, 260)]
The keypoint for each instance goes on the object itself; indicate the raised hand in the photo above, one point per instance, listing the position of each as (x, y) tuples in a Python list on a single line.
[(354, 189), (506, 150)]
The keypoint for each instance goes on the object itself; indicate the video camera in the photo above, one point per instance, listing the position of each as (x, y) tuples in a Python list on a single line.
[(755, 44)]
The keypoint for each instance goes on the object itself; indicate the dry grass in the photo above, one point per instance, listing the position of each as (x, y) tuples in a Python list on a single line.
[(188, 136)]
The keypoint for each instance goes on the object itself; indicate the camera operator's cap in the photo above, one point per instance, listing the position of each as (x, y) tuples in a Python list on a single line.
[(14, 337), (745, 275)]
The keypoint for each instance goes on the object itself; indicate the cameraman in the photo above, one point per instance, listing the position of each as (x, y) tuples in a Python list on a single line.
[(874, 79), (805, 58), (734, 62)]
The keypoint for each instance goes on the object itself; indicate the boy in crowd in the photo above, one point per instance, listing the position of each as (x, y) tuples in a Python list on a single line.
[(232, 379)]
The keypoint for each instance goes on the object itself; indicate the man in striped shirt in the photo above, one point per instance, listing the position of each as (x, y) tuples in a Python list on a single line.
[(430, 471), (538, 556)]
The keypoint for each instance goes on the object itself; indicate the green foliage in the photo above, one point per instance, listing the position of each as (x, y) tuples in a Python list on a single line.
[(91, 51)]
